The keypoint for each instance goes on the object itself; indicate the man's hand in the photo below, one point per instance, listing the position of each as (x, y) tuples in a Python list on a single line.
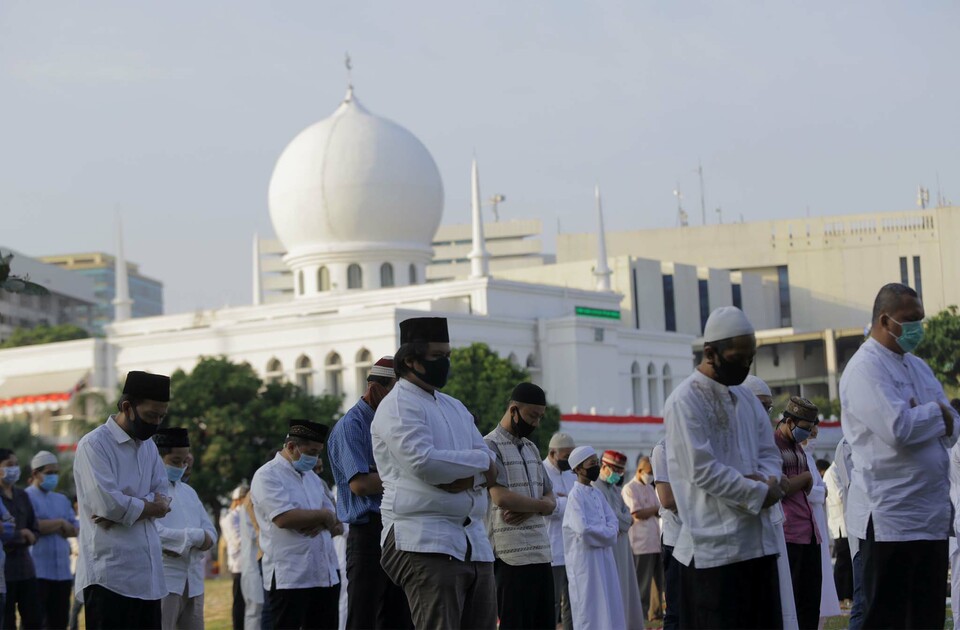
[(807, 477), (774, 492), (158, 508), (207, 542), (549, 505), (103, 522), (755, 477), (28, 536), (947, 413), (515, 518), (337, 530), (460, 485)]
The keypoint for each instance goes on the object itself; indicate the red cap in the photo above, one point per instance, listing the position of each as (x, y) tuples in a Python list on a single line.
[(614, 457)]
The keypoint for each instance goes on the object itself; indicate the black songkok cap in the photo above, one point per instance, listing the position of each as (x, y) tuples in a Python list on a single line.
[(175, 437), (529, 393), (424, 329), (147, 386), (313, 431)]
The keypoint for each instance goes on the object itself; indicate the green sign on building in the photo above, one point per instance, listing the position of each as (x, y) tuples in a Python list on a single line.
[(602, 313)]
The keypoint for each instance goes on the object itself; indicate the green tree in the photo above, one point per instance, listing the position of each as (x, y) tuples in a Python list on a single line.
[(236, 423), (43, 334), (940, 347), (17, 437), (483, 381)]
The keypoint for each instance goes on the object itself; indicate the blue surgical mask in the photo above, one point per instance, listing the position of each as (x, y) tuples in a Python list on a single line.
[(11, 474), (174, 473), (800, 434), (614, 478), (49, 482), (911, 334), (306, 463)]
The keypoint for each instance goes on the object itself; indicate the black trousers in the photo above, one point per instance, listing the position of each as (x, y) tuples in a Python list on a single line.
[(843, 569), (671, 579), (238, 605), (739, 595), (524, 596), (305, 608), (374, 602), (806, 576), (22, 595), (904, 583), (105, 610), (54, 598)]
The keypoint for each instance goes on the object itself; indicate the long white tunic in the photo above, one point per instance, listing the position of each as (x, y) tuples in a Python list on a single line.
[(230, 529), (716, 436), (563, 482), (420, 441), (633, 612), (251, 584), (590, 532), (669, 520), (896, 434), (829, 602), (114, 474), (182, 532)]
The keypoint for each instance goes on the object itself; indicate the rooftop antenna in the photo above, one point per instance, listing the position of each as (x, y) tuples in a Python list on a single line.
[(494, 203), (939, 193), (682, 217), (719, 215), (703, 203), (349, 65), (923, 197)]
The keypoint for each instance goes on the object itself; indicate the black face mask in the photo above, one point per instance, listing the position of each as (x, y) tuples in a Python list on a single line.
[(141, 429), (593, 472), (563, 465), (729, 373), (521, 428), (435, 371)]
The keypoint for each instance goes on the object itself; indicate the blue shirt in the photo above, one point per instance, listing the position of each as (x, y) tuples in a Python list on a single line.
[(51, 553), (351, 454)]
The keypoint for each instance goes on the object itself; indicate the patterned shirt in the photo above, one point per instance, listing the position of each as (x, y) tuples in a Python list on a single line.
[(799, 527), (351, 454), (51, 554)]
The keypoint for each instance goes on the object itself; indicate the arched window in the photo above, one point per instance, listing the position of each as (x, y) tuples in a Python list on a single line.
[(304, 373), (386, 275), (354, 276), (364, 363), (636, 388), (300, 282), (274, 371), (323, 279), (413, 273), (653, 399), (667, 382), (334, 369), (532, 361), (513, 359)]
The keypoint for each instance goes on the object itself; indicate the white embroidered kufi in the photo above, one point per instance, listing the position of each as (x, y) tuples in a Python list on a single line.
[(726, 322), (562, 440), (757, 385), (41, 459), (580, 455)]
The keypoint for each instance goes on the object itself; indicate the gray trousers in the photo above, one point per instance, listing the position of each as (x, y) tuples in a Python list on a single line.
[(561, 597), (650, 578), (443, 592), (179, 612)]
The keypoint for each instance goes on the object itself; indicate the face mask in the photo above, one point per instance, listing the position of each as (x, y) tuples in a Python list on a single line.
[(11, 474), (306, 463), (435, 372), (49, 481), (799, 434), (911, 334), (646, 478), (563, 465), (174, 473), (593, 472), (728, 373), (521, 428), (614, 478), (141, 429)]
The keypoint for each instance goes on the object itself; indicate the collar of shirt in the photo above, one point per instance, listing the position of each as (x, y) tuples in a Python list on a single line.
[(416, 389), (116, 432), (366, 411), (881, 350), (718, 388)]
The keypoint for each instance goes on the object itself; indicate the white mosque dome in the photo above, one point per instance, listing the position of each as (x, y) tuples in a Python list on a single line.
[(354, 186)]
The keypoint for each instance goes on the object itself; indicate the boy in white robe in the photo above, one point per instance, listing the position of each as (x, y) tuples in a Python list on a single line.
[(590, 531)]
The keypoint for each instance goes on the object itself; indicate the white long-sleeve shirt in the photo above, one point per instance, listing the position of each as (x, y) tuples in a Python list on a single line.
[(230, 528), (835, 524), (669, 520), (114, 474), (182, 532), (421, 440), (895, 429), (843, 457), (562, 481), (716, 436), (294, 559)]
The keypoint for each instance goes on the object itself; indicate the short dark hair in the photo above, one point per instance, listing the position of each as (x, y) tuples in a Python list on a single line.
[(299, 441), (164, 450), (889, 298), (719, 346), (381, 380), (133, 400), (413, 349), (5, 454), (822, 464)]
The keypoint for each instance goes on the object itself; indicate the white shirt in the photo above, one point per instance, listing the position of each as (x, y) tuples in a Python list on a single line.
[(896, 434), (230, 529), (845, 459), (669, 520), (182, 532), (715, 437), (114, 474), (835, 524), (251, 584), (294, 559), (421, 440), (562, 485)]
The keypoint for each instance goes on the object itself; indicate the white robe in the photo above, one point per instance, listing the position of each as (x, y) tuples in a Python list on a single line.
[(829, 601), (633, 611), (788, 607), (589, 534)]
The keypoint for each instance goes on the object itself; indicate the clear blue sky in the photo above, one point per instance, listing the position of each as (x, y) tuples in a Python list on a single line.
[(175, 113)]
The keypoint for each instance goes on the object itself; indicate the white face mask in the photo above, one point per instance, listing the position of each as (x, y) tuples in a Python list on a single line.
[(646, 478)]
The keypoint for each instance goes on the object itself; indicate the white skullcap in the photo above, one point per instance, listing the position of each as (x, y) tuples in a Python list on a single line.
[(239, 492), (562, 440), (580, 455), (757, 386), (41, 459), (726, 322)]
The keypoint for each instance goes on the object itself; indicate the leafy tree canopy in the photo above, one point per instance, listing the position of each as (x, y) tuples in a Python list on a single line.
[(940, 347), (44, 334)]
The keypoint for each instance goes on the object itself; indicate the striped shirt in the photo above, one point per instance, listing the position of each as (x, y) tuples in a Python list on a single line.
[(351, 454)]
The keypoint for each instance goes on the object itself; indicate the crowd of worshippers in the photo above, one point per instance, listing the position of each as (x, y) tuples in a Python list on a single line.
[(445, 528)]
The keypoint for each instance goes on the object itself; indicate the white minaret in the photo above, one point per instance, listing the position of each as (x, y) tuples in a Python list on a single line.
[(479, 258), (257, 293), (122, 304), (601, 271)]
